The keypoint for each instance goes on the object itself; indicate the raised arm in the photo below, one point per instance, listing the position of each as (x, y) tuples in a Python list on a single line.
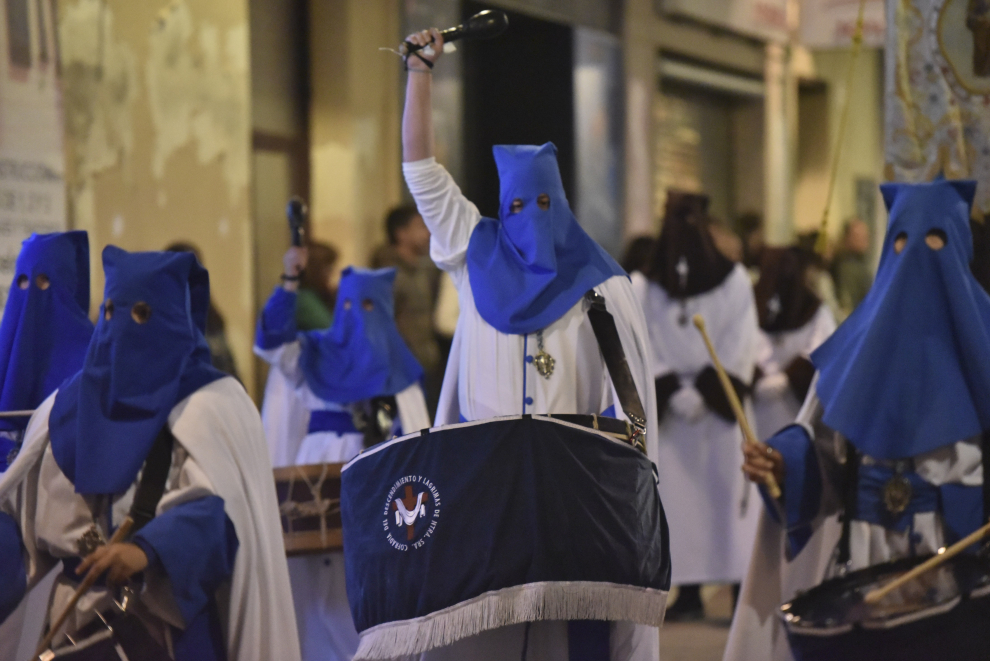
[(417, 119)]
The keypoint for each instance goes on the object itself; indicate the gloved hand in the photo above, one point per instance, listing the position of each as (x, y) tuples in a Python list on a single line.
[(772, 386), (688, 403)]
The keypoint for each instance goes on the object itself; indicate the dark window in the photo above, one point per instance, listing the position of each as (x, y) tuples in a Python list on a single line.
[(19, 33)]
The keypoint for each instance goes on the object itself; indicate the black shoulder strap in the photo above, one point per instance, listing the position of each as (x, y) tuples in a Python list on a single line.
[(850, 489), (618, 368), (986, 475), (152, 485)]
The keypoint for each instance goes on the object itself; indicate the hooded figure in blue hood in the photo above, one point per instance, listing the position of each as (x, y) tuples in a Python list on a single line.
[(361, 385), (524, 343), (893, 434), (45, 328), (147, 375)]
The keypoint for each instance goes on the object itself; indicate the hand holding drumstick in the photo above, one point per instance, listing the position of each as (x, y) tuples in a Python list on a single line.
[(766, 463)]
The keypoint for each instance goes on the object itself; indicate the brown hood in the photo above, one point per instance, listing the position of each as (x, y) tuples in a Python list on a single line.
[(784, 301)]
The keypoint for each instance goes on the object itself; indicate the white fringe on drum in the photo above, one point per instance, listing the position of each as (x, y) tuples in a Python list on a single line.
[(577, 600)]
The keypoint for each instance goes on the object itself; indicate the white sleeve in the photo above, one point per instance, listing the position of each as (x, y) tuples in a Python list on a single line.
[(734, 331), (824, 327), (413, 414), (449, 215), (284, 358)]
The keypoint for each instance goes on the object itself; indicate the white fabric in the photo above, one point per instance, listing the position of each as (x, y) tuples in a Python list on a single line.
[(711, 509), (688, 404), (488, 376), (220, 450), (776, 408), (757, 632), (326, 630)]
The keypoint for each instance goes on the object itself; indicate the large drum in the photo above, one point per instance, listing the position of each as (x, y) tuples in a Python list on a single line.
[(470, 527), (943, 614), (309, 505)]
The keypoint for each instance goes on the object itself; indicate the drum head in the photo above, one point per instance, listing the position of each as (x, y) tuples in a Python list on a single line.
[(837, 604)]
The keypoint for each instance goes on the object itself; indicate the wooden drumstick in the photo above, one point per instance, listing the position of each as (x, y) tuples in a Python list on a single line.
[(119, 536), (770, 482), (873, 596), (16, 414)]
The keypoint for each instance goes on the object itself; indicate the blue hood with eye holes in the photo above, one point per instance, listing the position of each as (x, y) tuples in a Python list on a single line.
[(530, 267), (909, 370), (362, 355), (137, 368), (44, 332)]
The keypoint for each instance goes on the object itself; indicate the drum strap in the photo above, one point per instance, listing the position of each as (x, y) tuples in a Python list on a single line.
[(986, 475), (152, 485), (850, 489), (610, 344)]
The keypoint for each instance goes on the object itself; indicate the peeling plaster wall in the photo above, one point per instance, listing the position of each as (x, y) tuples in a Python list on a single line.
[(354, 123), (157, 111)]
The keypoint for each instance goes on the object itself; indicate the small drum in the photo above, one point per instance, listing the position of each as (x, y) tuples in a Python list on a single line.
[(943, 614), (309, 504)]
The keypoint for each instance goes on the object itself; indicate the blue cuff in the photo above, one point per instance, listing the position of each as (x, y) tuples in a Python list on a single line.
[(13, 574), (154, 562), (277, 324), (195, 544), (802, 487)]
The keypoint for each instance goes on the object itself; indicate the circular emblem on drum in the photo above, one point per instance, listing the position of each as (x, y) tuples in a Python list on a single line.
[(412, 509)]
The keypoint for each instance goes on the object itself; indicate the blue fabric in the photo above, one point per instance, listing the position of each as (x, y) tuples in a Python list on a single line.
[(588, 640), (277, 323), (106, 417), (528, 268), (362, 354), (202, 639), (802, 487), (909, 370), (503, 504), (44, 332), (13, 574), (341, 422), (870, 505), (962, 510), (195, 542)]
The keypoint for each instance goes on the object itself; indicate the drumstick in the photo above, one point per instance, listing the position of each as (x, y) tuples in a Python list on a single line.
[(15, 414), (873, 596), (770, 482), (119, 536)]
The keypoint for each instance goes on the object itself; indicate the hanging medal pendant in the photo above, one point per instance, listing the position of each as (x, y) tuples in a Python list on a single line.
[(543, 361), (897, 493)]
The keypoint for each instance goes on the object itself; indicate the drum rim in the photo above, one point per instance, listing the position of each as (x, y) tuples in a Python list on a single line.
[(502, 418)]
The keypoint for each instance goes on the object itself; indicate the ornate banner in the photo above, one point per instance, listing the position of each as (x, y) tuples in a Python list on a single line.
[(938, 92)]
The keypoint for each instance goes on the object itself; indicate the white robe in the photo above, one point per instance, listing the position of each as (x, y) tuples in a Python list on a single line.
[(319, 589), (220, 450), (757, 632), (711, 509), (776, 351), (488, 376)]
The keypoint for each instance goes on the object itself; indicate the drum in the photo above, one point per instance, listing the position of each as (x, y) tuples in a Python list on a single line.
[(309, 504), (464, 528), (943, 614)]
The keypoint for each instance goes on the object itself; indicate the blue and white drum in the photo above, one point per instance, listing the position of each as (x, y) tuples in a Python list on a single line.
[(456, 530)]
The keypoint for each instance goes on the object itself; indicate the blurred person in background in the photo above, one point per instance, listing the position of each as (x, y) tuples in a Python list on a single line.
[(638, 253), (819, 275), (727, 241), (317, 295), (750, 226), (417, 284), (851, 269), (216, 328)]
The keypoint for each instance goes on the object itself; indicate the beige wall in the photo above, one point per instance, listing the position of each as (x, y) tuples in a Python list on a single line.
[(354, 122), (862, 147), (157, 111)]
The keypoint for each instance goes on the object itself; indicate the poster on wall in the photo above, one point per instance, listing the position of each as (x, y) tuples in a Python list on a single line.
[(32, 164), (831, 23), (938, 93)]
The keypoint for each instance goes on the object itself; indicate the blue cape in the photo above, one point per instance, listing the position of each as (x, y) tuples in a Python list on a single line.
[(909, 370), (362, 354), (107, 416), (532, 266), (44, 332)]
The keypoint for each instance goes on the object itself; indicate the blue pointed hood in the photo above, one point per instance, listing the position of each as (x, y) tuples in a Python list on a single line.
[(148, 353), (362, 354), (533, 264), (46, 327), (909, 370)]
